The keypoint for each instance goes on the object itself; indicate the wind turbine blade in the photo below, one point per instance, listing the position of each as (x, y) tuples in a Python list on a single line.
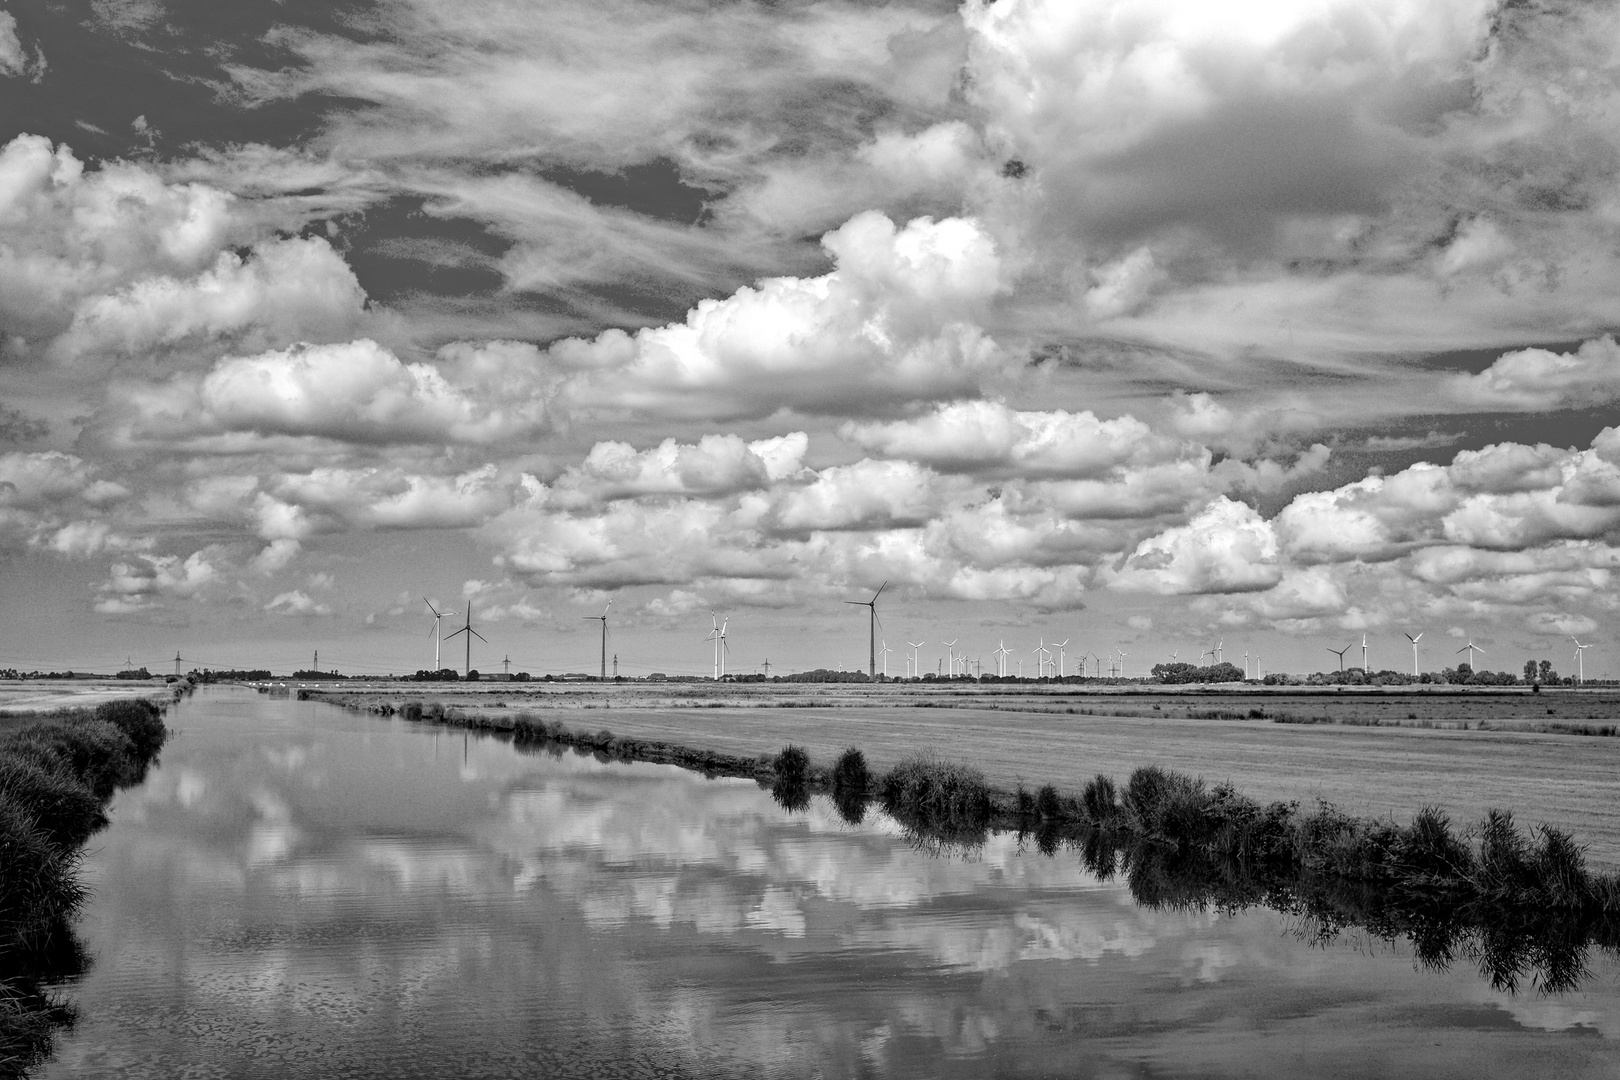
[(430, 606), (479, 636), (857, 603), (879, 593)]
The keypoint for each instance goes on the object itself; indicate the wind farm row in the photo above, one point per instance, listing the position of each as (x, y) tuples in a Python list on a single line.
[(1050, 659)]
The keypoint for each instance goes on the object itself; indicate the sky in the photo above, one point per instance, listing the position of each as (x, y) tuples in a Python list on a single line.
[(1139, 325)]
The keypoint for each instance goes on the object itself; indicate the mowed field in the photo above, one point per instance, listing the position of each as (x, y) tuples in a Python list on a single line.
[(1031, 736), (23, 697)]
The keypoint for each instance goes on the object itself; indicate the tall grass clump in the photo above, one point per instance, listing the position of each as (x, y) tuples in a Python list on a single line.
[(849, 772), (945, 800), (56, 776), (62, 808), (97, 752), (38, 890), (792, 764), (140, 719), (1100, 801), (791, 787)]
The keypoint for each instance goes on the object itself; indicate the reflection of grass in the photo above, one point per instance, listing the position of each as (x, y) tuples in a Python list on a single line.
[(56, 775), (1521, 905)]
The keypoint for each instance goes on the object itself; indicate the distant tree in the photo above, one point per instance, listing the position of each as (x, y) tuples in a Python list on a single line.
[(1529, 671), (473, 676), (1547, 672)]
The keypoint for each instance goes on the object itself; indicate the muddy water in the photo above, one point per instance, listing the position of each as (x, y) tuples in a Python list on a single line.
[(299, 891)]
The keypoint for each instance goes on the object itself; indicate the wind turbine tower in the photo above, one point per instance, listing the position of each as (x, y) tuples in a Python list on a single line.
[(950, 655), (886, 651), (1580, 660), (1364, 668), (1001, 655), (437, 631), (177, 663), (471, 633), (872, 625), (721, 648), (1414, 641), (602, 618), (1471, 649), (916, 658)]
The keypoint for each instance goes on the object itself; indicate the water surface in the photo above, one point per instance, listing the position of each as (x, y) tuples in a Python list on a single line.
[(301, 891)]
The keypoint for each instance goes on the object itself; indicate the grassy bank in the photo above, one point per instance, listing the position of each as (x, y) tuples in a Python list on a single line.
[(57, 774), (1522, 904)]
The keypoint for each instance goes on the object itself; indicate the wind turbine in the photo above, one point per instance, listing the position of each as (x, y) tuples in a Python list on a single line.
[(872, 626), (1122, 655), (1580, 660), (885, 651), (1001, 654), (1363, 653), (602, 618), (438, 636), (1040, 659), (950, 656), (916, 658), (718, 636), (1220, 645), (471, 633), (1340, 654), (1471, 649), (1414, 641), (1245, 664), (1060, 647)]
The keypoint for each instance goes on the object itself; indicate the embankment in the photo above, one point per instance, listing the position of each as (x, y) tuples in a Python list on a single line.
[(58, 772)]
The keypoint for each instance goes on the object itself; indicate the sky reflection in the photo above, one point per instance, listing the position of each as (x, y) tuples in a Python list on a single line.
[(297, 887)]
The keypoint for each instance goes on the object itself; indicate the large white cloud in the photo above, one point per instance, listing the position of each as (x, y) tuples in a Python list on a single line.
[(892, 323), (984, 434), (1225, 548), (353, 392), (1535, 380)]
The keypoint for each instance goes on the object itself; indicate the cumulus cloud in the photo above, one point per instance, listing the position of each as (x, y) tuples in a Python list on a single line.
[(984, 434), (892, 323), (296, 602), (715, 465), (283, 290), (15, 61), (150, 579), (352, 392), (1536, 380), (1225, 548)]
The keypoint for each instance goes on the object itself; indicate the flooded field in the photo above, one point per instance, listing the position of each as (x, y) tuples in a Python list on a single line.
[(299, 890)]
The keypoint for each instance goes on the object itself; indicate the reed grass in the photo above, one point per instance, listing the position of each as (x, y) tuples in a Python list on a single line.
[(57, 774)]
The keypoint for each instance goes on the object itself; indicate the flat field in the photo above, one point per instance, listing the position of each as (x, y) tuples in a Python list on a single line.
[(19, 699), (1065, 735)]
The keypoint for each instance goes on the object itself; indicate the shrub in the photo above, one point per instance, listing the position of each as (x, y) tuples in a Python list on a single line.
[(64, 810), (850, 773), (1047, 803)]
